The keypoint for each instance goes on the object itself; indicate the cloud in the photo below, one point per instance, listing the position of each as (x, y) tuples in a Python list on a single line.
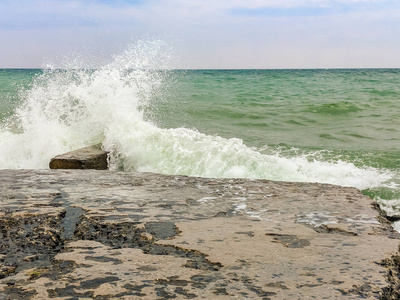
[(312, 7), (79, 13), (52, 13)]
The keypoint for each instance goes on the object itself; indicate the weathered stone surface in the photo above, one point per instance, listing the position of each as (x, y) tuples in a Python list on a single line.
[(69, 234), (91, 157)]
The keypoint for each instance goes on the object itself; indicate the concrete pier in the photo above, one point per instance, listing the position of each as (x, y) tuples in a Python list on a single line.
[(86, 234)]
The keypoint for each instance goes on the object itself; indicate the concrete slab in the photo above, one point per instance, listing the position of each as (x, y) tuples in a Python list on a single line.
[(84, 234)]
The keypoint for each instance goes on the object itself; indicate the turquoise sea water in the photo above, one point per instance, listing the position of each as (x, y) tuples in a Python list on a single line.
[(332, 126)]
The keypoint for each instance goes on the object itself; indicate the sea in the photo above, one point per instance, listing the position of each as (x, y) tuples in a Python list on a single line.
[(336, 126)]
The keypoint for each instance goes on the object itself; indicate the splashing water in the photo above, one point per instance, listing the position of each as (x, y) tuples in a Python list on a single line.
[(73, 107)]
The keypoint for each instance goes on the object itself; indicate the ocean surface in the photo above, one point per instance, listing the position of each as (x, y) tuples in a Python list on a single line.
[(330, 126)]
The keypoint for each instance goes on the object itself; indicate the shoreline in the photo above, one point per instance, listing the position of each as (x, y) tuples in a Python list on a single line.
[(112, 234)]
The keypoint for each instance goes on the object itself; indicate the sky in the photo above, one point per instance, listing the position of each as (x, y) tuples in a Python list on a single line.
[(205, 34)]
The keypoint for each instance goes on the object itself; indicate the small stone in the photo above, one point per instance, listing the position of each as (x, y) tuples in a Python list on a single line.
[(146, 236)]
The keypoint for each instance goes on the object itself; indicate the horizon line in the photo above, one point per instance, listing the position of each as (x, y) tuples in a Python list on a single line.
[(214, 69)]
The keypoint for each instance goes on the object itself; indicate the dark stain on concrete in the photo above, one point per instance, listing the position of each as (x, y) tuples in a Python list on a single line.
[(277, 285), (392, 291), (104, 259), (249, 284), (135, 290), (148, 268), (69, 291), (94, 283), (248, 233), (162, 230), (69, 221), (14, 293), (290, 241), (173, 280), (37, 237), (328, 229)]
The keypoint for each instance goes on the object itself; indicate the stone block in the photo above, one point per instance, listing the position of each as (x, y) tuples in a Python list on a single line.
[(92, 157)]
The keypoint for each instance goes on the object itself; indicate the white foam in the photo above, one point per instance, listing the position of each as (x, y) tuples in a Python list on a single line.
[(317, 218), (391, 207), (187, 152), (396, 226), (206, 199), (239, 207)]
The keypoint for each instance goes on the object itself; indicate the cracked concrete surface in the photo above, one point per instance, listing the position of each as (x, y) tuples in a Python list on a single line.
[(85, 234)]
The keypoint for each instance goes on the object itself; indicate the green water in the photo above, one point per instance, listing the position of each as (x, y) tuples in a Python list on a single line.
[(11, 82), (333, 109), (353, 114)]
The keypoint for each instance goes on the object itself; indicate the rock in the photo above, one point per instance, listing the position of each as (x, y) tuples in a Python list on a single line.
[(391, 208), (91, 157), (100, 234)]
